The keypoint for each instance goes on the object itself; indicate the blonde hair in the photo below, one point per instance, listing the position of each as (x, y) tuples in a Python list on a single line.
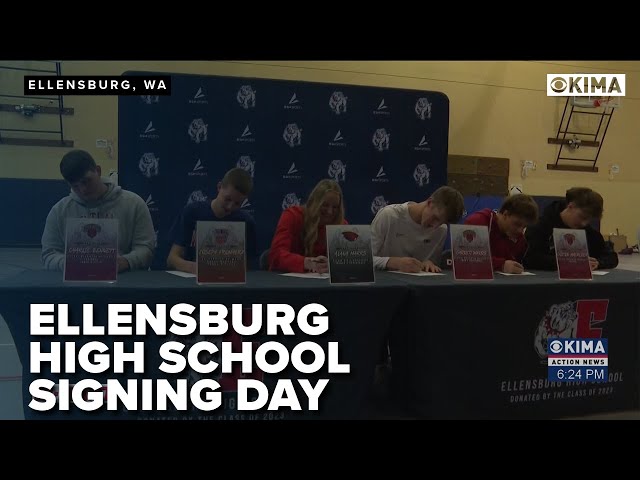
[(312, 212)]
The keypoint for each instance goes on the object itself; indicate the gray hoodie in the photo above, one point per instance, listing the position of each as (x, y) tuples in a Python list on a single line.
[(136, 236)]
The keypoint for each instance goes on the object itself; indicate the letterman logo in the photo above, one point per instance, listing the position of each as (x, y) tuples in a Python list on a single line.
[(294, 103), (246, 135), (381, 176), (292, 173), (423, 145), (200, 98), (198, 170), (338, 140), (148, 132), (151, 204), (383, 109)]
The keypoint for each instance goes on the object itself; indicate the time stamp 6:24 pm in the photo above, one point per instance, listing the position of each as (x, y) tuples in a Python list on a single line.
[(584, 374)]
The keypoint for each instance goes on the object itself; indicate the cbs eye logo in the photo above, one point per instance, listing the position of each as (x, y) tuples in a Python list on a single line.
[(558, 84), (555, 346)]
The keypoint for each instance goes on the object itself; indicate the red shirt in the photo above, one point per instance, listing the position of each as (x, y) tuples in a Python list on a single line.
[(287, 246), (502, 247)]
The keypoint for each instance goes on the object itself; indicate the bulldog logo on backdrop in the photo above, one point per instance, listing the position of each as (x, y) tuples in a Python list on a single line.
[(337, 171), (421, 175), (149, 99), (148, 164), (423, 109), (196, 196), (378, 203), (292, 135), (245, 163), (381, 139), (198, 130), (246, 97), (289, 200), (338, 103)]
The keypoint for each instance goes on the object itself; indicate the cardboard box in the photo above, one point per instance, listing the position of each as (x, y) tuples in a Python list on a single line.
[(619, 242)]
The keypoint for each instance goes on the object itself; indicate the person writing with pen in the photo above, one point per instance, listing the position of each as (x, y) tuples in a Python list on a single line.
[(577, 210), (506, 230), (409, 237), (300, 242)]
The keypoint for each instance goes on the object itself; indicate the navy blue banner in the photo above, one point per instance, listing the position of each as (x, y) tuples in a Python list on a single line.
[(383, 145)]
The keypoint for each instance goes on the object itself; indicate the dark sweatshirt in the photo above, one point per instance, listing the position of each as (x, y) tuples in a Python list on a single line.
[(541, 252)]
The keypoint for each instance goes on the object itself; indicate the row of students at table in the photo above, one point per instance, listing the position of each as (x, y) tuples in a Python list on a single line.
[(407, 237)]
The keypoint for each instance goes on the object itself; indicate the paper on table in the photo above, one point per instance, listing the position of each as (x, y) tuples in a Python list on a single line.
[(419, 274), (599, 272), (306, 275), (516, 274), (181, 274)]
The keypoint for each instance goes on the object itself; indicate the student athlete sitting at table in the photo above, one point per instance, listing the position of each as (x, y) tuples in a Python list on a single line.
[(576, 211), (506, 230), (410, 236), (300, 242)]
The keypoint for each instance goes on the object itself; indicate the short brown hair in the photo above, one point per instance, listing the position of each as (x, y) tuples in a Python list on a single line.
[(239, 179), (521, 205), (451, 200), (587, 200), (75, 164)]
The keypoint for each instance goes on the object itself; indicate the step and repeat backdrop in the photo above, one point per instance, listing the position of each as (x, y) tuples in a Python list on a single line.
[(382, 145)]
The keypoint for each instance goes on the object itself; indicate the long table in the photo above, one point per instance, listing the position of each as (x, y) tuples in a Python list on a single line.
[(473, 350), (459, 349), (359, 319)]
